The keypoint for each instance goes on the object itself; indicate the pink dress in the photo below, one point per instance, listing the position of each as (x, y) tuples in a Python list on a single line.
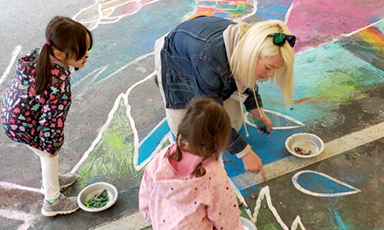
[(170, 198)]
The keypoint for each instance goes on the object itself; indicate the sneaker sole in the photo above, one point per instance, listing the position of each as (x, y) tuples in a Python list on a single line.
[(42, 190), (45, 213)]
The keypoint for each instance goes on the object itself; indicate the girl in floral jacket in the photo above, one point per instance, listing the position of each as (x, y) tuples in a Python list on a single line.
[(37, 101)]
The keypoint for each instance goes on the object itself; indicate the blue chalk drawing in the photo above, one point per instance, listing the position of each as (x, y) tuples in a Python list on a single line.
[(321, 185), (267, 10), (152, 142), (339, 221)]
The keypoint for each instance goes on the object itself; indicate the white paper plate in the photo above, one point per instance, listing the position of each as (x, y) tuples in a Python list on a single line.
[(306, 141), (93, 190)]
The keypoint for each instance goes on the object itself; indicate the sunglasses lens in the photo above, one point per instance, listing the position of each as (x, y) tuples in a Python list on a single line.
[(291, 40), (279, 39)]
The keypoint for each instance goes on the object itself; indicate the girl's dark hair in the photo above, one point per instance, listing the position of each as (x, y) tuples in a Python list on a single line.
[(66, 35), (206, 128)]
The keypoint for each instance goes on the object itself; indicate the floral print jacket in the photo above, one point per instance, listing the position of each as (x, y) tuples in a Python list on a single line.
[(37, 121)]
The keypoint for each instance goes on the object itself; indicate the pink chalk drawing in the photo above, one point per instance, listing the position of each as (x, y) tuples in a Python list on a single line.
[(316, 23), (108, 11)]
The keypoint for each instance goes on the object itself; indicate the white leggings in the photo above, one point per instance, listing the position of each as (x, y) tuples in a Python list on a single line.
[(50, 174)]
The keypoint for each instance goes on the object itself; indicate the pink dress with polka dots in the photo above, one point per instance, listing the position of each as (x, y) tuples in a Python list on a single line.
[(170, 198)]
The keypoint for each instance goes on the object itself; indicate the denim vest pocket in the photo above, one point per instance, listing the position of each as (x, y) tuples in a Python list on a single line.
[(181, 82)]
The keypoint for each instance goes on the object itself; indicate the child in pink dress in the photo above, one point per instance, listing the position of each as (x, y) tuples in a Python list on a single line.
[(184, 186)]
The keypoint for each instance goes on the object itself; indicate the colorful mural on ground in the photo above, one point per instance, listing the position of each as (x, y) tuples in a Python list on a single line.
[(339, 61)]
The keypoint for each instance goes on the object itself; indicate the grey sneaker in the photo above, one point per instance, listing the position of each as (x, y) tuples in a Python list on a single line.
[(63, 205), (65, 180)]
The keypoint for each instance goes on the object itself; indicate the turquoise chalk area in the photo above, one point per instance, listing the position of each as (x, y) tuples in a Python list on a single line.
[(380, 26), (315, 69), (148, 146), (340, 222)]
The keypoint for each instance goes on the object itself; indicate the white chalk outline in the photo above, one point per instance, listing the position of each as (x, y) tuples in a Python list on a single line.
[(286, 18), (265, 194), (16, 215), (300, 124), (7, 185), (167, 137), (100, 13), (30, 218), (331, 148), (306, 191), (123, 96), (15, 52)]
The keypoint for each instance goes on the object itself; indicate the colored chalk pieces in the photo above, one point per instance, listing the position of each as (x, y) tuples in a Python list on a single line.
[(304, 145), (301, 151), (243, 205)]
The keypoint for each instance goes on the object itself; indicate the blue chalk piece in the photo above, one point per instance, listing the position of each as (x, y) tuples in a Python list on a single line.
[(261, 126), (264, 129)]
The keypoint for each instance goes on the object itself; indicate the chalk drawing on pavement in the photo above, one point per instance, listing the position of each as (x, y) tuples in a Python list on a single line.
[(279, 120), (17, 215), (321, 185), (15, 52), (108, 11), (231, 9), (265, 197)]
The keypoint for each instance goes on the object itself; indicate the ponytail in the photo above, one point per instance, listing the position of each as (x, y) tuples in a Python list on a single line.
[(199, 170), (177, 154), (43, 70), (65, 35)]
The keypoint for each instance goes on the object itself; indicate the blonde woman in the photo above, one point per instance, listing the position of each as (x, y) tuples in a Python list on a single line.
[(215, 57)]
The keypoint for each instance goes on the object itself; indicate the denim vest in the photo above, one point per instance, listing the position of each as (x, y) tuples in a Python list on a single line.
[(194, 63)]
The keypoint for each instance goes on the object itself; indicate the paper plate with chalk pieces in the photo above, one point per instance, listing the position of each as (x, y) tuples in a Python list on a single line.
[(304, 145), (97, 197), (247, 224)]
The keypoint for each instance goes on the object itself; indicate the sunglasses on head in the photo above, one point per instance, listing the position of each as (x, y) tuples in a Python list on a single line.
[(280, 38)]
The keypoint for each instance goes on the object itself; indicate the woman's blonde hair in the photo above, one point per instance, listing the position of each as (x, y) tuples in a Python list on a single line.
[(254, 43)]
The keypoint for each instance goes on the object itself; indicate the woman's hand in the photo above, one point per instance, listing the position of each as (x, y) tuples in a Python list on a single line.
[(264, 118), (252, 163)]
